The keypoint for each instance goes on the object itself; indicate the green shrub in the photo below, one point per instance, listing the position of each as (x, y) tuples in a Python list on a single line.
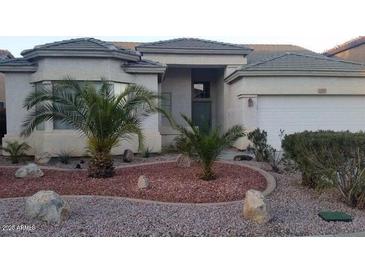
[(300, 148), (146, 153), (327, 158), (259, 142), (64, 157), (16, 150), (263, 151)]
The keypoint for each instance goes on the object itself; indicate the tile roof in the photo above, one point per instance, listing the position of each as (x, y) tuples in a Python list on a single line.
[(5, 54), (16, 62), (193, 45), (266, 51), (81, 44), (299, 64), (300, 61), (345, 46), (260, 51)]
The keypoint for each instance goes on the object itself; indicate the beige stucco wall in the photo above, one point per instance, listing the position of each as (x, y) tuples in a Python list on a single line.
[(356, 54), (196, 59), (18, 85), (237, 110)]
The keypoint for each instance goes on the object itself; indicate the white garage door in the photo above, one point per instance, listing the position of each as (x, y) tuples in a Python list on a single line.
[(299, 113)]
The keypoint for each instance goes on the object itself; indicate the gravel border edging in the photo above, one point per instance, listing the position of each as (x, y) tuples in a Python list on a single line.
[(270, 186)]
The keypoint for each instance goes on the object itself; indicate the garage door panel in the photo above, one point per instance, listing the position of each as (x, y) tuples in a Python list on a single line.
[(299, 113)]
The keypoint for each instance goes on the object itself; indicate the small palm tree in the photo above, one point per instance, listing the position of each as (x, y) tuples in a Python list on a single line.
[(16, 150), (98, 114), (207, 144)]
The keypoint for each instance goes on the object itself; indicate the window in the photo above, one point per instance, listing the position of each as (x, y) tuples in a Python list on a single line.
[(201, 90), (166, 105)]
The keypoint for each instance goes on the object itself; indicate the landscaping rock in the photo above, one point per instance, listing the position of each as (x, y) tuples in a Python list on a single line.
[(255, 208), (143, 182), (128, 156), (183, 161), (30, 171), (243, 157), (42, 158), (47, 206)]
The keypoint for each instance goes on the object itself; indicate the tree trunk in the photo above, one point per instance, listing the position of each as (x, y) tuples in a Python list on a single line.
[(101, 165)]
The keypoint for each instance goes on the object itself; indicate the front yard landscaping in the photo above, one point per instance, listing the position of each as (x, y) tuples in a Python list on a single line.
[(294, 210), (168, 183)]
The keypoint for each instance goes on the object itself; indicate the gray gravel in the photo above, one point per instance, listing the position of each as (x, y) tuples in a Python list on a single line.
[(294, 210)]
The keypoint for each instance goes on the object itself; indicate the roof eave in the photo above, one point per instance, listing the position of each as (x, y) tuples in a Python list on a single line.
[(301, 73), (194, 51), (10, 68), (145, 70)]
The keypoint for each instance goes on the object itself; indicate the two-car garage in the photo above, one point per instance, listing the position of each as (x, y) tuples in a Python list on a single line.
[(294, 113)]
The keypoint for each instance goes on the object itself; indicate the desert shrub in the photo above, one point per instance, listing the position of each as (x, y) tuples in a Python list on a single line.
[(16, 150), (146, 152), (260, 145), (327, 158), (64, 157), (263, 151)]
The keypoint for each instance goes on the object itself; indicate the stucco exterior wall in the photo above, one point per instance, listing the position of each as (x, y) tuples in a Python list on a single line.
[(177, 82), (88, 69), (18, 85), (299, 85), (238, 111), (356, 54), (195, 59)]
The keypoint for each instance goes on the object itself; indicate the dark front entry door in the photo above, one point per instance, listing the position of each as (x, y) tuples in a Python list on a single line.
[(202, 114)]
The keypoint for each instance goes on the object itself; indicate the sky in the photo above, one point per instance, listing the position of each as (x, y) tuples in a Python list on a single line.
[(314, 24)]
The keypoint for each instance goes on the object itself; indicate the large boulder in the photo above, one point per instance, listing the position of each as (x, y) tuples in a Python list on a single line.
[(42, 158), (47, 206), (29, 171), (183, 161), (128, 156), (255, 208), (143, 182)]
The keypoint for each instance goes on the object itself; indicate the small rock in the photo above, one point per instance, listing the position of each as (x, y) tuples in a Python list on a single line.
[(47, 206), (30, 170), (254, 207), (128, 156), (183, 161), (42, 158), (143, 182), (243, 157)]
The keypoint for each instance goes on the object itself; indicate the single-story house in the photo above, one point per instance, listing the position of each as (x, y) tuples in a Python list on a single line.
[(272, 87), (353, 50)]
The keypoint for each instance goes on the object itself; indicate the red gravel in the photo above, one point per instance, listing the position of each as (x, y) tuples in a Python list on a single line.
[(168, 183)]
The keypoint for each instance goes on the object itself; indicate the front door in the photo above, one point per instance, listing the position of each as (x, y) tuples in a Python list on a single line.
[(201, 105), (202, 114)]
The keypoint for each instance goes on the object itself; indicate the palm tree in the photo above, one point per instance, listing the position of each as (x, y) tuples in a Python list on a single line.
[(207, 144), (98, 114)]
